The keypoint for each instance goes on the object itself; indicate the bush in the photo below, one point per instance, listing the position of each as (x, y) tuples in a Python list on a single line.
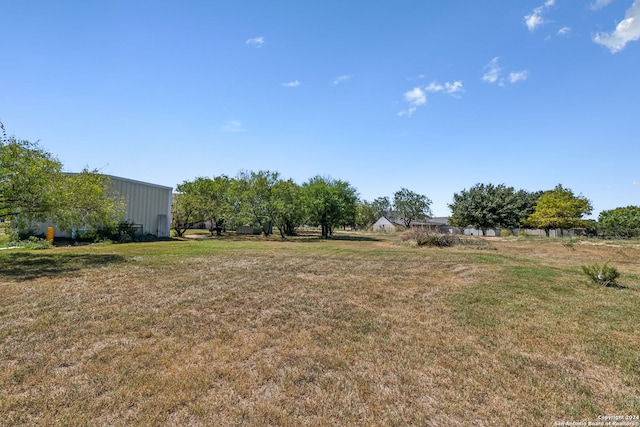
[(428, 238), (505, 232), (569, 243), (438, 240), (604, 275), (32, 242)]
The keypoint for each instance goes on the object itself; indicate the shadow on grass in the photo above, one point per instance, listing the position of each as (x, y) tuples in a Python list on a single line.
[(24, 266)]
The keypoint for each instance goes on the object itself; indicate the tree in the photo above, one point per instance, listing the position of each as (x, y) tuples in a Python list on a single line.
[(255, 191), (329, 203), (559, 208), (411, 206), (34, 188), (183, 212), (486, 206), (86, 202), (366, 214), (289, 212), (210, 197), (382, 207), (621, 222), (30, 179)]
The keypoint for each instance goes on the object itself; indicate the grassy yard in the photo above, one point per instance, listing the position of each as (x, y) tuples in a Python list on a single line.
[(360, 330)]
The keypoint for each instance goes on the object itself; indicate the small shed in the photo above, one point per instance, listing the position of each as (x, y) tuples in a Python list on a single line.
[(384, 224)]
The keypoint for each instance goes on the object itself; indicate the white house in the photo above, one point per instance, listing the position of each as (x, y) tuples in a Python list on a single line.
[(383, 224)]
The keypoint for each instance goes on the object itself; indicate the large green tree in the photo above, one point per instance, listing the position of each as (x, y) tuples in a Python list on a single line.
[(329, 203), (183, 212), (486, 206), (30, 179), (87, 202), (559, 208), (382, 207), (410, 206), (211, 199), (256, 194), (289, 211), (621, 222), (33, 188)]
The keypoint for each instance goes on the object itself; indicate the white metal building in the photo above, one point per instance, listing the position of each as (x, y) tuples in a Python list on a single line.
[(148, 205)]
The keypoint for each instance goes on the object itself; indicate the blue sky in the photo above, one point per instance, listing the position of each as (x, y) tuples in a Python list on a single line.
[(431, 96)]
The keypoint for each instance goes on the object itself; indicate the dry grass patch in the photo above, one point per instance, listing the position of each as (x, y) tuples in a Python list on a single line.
[(353, 331)]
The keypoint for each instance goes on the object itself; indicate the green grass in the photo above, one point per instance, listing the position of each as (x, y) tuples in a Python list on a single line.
[(357, 330)]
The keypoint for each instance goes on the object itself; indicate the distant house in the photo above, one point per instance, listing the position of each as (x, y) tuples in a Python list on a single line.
[(384, 224), (148, 206), (439, 224)]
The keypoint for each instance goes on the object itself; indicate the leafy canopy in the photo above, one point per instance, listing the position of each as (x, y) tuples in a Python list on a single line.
[(621, 222), (30, 179), (34, 188), (486, 206), (329, 203), (411, 206), (559, 208)]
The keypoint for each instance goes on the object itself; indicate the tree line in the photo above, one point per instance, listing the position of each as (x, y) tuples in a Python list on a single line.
[(266, 200), (33, 188)]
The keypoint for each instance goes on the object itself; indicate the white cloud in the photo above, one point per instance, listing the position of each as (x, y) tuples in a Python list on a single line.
[(408, 112), (450, 88), (516, 76), (599, 4), (415, 97), (294, 83), (626, 31), (233, 126), (535, 19), (636, 183), (564, 31), (493, 71), (340, 79), (255, 42), (493, 74)]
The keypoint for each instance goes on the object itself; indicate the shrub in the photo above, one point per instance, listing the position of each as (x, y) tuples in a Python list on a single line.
[(505, 232), (570, 243), (604, 275), (32, 242), (428, 238)]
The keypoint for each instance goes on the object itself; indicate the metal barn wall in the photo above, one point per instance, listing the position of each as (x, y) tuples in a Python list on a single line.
[(147, 204)]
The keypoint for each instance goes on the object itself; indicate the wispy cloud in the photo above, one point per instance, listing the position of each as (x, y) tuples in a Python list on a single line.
[(341, 79), (493, 71), (415, 97), (535, 18), (294, 83), (636, 183), (626, 31), (233, 126), (516, 76), (493, 74), (255, 42), (453, 89), (564, 31), (599, 4)]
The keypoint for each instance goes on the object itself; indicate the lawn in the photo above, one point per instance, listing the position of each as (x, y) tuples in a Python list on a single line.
[(353, 331)]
